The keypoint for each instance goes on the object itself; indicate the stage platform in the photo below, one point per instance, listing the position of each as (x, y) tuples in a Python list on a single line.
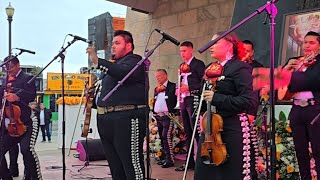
[(50, 157)]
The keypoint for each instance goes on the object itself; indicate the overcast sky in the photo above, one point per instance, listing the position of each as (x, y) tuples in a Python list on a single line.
[(41, 26)]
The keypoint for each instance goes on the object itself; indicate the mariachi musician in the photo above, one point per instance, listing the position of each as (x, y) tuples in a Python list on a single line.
[(164, 104), (191, 73), (232, 97), (22, 93), (301, 77), (121, 118)]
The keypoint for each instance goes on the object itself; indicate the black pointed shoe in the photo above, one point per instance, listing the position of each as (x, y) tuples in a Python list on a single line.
[(181, 168), (167, 164), (161, 162)]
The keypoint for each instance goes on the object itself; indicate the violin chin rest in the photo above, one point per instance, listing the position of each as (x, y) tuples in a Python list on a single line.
[(206, 160)]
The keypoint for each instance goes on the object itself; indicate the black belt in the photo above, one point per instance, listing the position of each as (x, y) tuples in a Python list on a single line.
[(109, 109), (191, 93), (304, 102), (161, 114), (194, 92)]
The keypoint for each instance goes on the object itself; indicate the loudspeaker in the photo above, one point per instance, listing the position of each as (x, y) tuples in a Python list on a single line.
[(93, 147)]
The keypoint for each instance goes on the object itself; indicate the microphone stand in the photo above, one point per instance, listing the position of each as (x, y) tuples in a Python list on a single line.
[(315, 119), (62, 57), (148, 54), (87, 161), (263, 115), (266, 143), (272, 11), (86, 148), (147, 62)]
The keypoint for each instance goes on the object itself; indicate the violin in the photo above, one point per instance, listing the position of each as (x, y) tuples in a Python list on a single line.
[(16, 127), (303, 62), (213, 150), (306, 61), (88, 110)]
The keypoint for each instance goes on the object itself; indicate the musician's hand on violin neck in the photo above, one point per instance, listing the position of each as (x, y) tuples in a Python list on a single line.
[(292, 65), (11, 97), (208, 95), (184, 88), (91, 50)]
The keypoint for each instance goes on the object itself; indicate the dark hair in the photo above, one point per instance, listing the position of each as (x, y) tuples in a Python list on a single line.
[(187, 43), (233, 38), (162, 70), (33, 103), (13, 61), (127, 36), (248, 42), (312, 33)]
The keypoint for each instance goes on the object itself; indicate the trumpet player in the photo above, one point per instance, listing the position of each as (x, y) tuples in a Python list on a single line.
[(165, 102), (191, 73)]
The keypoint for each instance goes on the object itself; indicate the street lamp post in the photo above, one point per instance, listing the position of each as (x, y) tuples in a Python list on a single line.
[(10, 12)]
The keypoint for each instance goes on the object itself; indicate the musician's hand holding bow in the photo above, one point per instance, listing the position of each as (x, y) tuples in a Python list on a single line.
[(261, 80), (184, 88)]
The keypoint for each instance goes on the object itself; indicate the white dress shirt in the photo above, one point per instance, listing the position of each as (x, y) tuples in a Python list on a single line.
[(304, 95), (160, 105), (42, 121)]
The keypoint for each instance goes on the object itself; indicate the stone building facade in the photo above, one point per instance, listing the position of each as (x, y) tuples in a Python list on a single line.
[(193, 20)]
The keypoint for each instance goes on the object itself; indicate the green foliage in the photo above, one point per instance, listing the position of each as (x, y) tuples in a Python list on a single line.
[(287, 167)]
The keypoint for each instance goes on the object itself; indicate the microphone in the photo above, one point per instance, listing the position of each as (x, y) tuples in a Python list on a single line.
[(80, 38), (168, 37), (25, 50)]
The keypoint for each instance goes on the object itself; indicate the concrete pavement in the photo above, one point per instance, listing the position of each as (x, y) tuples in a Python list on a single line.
[(51, 164)]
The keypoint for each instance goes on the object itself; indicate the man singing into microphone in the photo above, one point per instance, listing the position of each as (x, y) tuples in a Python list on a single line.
[(121, 118)]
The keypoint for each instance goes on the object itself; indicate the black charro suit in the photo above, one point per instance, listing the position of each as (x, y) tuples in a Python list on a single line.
[(234, 95), (197, 68), (253, 112), (301, 117), (171, 99), (164, 123), (27, 93), (122, 132)]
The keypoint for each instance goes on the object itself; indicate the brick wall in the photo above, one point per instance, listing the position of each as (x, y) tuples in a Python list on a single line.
[(193, 20)]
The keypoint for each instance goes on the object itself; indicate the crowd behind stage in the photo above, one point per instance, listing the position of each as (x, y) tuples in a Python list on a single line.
[(226, 93)]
